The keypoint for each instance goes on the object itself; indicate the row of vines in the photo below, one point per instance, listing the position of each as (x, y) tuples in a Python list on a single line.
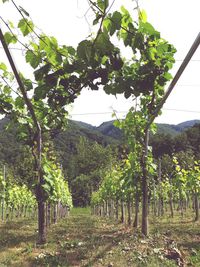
[(173, 189), (175, 193), (20, 201)]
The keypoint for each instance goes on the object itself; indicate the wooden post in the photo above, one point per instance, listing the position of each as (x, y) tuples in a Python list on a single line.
[(145, 228), (3, 202)]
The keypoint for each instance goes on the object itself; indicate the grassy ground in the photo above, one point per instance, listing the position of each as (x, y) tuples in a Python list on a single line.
[(84, 240)]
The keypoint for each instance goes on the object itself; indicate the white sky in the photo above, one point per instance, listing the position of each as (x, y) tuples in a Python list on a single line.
[(177, 20)]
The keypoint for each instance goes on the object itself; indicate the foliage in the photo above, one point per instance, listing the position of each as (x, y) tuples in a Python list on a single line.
[(16, 197), (115, 185), (55, 186), (91, 162)]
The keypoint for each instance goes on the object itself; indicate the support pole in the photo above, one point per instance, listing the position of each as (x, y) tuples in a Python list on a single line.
[(146, 141), (176, 78), (3, 200)]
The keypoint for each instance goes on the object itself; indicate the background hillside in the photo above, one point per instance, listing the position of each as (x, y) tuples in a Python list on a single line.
[(106, 133), (108, 129)]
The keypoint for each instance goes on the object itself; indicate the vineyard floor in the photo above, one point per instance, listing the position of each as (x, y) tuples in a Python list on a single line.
[(85, 240)]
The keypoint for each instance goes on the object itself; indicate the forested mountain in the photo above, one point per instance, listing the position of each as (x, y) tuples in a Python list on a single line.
[(107, 133), (107, 128)]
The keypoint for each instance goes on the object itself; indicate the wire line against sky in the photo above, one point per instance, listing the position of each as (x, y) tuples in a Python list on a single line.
[(124, 112)]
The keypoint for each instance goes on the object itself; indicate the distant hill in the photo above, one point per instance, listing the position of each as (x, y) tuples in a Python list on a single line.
[(66, 141), (106, 133), (187, 124), (107, 128), (163, 128), (173, 129)]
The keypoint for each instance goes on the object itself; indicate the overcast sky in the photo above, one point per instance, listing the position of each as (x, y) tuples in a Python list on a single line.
[(177, 20)]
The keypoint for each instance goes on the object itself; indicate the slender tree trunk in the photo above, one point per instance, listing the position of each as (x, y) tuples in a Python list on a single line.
[(180, 207), (3, 202), (171, 198), (171, 205), (41, 222), (104, 208), (154, 199), (107, 209), (48, 214), (159, 189), (55, 210), (145, 228), (117, 209), (42, 235), (129, 211), (196, 205), (112, 208), (122, 212), (136, 220)]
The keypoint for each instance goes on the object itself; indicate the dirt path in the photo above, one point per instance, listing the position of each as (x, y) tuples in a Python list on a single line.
[(89, 239)]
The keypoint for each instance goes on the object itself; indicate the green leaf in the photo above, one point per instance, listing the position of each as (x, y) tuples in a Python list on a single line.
[(11, 24), (71, 50), (19, 103), (127, 93), (116, 20), (40, 92), (7, 90), (28, 84), (55, 58), (26, 26), (107, 23), (168, 76), (47, 188), (96, 20), (103, 43), (32, 58), (124, 10), (3, 66), (138, 41), (10, 38), (40, 73), (103, 4), (104, 60), (147, 28), (84, 50), (110, 89), (5, 1), (63, 50), (22, 120), (143, 16)]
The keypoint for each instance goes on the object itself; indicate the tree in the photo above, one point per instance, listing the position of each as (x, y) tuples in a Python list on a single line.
[(91, 160), (193, 139), (162, 144)]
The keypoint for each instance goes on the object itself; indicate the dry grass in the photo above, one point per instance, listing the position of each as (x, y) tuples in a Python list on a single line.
[(84, 240)]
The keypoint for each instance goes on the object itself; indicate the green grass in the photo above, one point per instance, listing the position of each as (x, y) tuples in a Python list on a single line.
[(85, 240)]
